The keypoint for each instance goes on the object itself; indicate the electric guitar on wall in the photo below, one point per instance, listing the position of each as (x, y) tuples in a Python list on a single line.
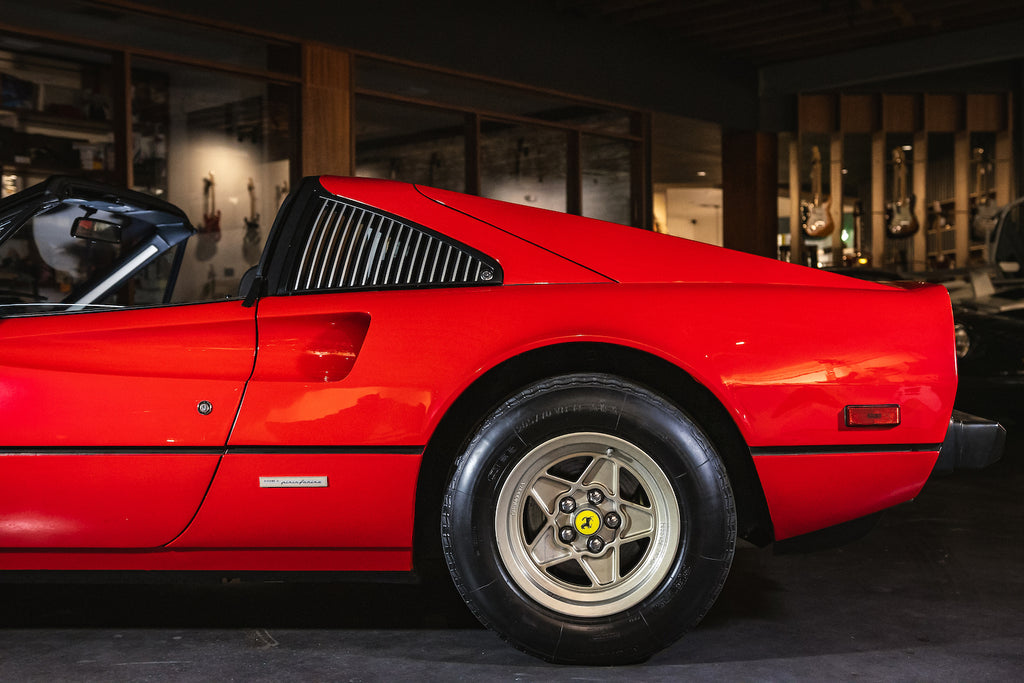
[(211, 216), (900, 219), (818, 214)]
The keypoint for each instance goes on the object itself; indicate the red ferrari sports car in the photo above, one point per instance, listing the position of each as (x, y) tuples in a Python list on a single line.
[(577, 418)]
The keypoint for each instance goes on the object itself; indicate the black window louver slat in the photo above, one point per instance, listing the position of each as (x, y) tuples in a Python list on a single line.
[(385, 249), (358, 216), (349, 246), (444, 264), (413, 257), (362, 230), (422, 258), (344, 239), (314, 235), (433, 261), (397, 249), (329, 230)]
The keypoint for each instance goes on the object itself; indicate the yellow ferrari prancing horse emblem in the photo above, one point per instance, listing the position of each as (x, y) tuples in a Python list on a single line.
[(587, 522)]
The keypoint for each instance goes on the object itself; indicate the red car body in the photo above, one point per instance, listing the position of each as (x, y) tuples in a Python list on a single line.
[(368, 393)]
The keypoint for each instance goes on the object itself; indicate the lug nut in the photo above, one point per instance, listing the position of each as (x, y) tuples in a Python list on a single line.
[(595, 496), (595, 544), (612, 520), (567, 505), (567, 534)]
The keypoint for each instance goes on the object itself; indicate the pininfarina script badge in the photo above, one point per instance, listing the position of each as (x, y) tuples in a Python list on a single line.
[(293, 482)]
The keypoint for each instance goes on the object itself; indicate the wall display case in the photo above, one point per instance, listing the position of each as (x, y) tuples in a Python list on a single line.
[(927, 171), (219, 145), (56, 113), (498, 140), (198, 115)]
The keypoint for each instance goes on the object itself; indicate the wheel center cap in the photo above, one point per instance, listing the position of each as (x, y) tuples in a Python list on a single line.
[(587, 522)]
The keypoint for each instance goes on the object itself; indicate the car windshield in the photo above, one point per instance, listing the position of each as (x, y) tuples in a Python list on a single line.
[(69, 245), (44, 267)]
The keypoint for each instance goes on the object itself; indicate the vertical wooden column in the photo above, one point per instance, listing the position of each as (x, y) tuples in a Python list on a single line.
[(750, 219), (918, 255), (327, 137), (879, 157), (1004, 168), (961, 195), (836, 196), (796, 233)]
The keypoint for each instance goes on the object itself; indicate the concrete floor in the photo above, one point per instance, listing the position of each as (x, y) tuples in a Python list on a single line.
[(935, 592)]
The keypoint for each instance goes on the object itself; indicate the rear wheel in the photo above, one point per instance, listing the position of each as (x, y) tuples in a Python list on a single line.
[(589, 521)]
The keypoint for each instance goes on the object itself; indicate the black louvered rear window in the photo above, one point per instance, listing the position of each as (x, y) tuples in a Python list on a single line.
[(351, 246)]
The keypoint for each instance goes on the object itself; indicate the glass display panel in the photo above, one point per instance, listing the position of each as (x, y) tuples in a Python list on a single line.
[(221, 148), (462, 92), (56, 113), (606, 170), (857, 209), (410, 143), (132, 29), (523, 164)]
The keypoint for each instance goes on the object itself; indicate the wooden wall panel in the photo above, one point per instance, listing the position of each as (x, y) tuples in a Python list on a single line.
[(879, 158), (901, 113), (919, 260), (750, 219), (858, 113), (962, 194), (835, 183), (817, 113), (986, 112), (943, 113), (327, 142), (796, 233)]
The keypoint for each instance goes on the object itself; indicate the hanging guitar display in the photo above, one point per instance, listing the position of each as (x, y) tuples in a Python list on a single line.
[(900, 221), (209, 231), (211, 216), (252, 243), (984, 212), (817, 216)]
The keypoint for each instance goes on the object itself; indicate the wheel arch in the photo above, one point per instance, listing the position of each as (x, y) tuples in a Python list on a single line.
[(495, 386)]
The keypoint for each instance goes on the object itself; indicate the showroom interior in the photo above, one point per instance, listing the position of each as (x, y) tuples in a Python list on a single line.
[(848, 135), (719, 127)]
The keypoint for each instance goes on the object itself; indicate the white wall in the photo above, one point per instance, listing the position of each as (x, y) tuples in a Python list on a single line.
[(213, 269), (691, 212)]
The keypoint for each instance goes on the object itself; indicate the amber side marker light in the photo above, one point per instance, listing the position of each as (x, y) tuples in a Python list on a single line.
[(872, 416)]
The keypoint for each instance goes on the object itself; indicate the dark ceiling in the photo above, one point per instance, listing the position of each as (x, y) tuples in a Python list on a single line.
[(765, 32)]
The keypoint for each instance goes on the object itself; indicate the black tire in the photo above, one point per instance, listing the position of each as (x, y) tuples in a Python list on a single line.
[(662, 565)]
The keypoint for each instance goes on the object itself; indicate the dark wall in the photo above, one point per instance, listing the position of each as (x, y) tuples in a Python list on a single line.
[(527, 42), (985, 59)]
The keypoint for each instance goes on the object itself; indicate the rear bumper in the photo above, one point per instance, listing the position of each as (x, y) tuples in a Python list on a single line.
[(971, 443)]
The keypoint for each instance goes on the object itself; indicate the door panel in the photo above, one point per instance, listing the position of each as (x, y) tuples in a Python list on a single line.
[(320, 500), (83, 500), (104, 443)]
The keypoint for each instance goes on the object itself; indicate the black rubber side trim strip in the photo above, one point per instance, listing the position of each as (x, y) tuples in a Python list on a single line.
[(328, 450), (260, 450), (852, 450)]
